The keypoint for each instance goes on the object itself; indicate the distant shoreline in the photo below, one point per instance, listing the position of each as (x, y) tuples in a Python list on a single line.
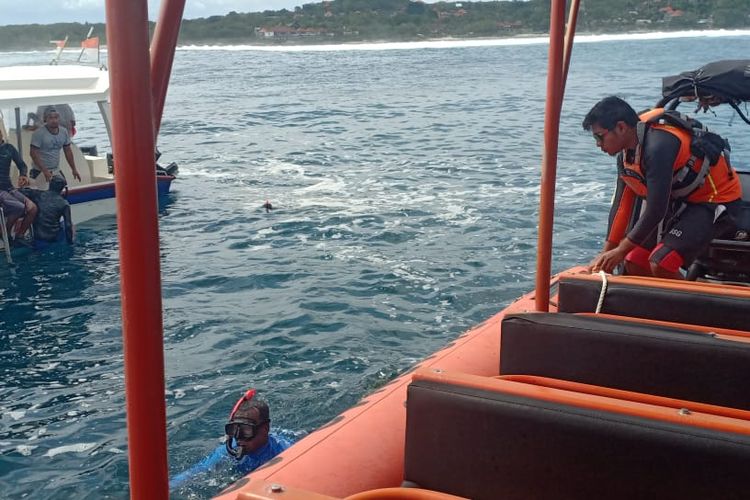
[(445, 42), (522, 39)]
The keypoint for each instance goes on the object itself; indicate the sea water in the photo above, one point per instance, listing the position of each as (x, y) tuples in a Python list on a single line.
[(404, 180)]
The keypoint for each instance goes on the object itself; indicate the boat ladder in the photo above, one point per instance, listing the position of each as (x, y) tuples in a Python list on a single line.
[(6, 240)]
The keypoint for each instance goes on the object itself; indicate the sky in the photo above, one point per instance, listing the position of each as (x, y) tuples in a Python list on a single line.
[(56, 11)]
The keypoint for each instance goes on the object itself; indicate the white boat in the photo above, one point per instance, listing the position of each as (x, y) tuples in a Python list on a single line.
[(24, 88)]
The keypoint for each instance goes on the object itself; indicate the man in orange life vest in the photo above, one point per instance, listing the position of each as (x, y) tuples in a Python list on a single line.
[(652, 162)]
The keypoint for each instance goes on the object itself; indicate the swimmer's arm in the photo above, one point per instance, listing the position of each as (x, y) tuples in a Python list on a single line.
[(208, 464)]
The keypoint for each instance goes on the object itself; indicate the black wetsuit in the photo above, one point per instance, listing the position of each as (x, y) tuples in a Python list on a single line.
[(9, 153), (659, 155)]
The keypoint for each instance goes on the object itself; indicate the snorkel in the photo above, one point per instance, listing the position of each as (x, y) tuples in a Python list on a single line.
[(236, 452)]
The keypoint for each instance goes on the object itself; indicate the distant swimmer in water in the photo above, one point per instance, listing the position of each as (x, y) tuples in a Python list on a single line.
[(267, 205), (249, 442)]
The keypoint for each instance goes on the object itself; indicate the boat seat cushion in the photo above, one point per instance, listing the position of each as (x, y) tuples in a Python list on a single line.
[(667, 300), (487, 444), (654, 359)]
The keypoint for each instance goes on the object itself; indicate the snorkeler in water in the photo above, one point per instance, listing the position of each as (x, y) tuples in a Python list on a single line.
[(249, 442)]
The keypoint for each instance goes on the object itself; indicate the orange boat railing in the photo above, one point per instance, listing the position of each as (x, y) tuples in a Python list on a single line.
[(137, 96), (560, 48)]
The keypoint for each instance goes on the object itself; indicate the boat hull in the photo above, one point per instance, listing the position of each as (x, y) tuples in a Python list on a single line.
[(97, 200)]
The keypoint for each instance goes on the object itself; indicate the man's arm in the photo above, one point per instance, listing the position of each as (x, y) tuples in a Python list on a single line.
[(68, 222), (37, 159), (208, 464), (21, 166), (616, 245), (71, 161), (620, 213)]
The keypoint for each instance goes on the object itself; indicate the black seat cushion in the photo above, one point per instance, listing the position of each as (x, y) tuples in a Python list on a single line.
[(700, 307), (483, 444), (656, 360)]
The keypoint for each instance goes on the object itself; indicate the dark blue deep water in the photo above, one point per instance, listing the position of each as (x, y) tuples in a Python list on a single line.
[(405, 187)]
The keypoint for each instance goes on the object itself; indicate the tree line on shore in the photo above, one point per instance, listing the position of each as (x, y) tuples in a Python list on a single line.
[(399, 20)]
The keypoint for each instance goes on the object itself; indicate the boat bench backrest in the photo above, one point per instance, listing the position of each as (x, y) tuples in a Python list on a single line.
[(745, 181), (483, 441), (652, 298), (659, 360)]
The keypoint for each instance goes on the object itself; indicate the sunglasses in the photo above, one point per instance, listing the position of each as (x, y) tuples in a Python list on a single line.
[(599, 137), (242, 431)]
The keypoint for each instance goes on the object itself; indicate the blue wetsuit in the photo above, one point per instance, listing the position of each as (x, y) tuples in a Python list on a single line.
[(248, 463)]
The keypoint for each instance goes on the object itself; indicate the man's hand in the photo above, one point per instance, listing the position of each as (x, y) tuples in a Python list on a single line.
[(23, 181), (76, 175), (47, 174), (607, 261)]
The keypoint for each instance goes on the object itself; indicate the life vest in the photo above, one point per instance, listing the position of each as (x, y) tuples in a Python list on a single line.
[(701, 172)]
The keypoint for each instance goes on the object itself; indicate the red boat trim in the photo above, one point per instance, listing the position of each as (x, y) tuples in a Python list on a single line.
[(639, 397), (723, 333)]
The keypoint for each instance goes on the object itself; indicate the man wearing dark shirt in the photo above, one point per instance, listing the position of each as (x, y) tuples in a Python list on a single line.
[(52, 206), (674, 227), (15, 205)]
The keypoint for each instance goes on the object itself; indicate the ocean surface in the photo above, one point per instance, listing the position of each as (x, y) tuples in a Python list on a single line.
[(404, 180)]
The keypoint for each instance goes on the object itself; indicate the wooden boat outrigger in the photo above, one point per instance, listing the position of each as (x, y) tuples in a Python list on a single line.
[(591, 386)]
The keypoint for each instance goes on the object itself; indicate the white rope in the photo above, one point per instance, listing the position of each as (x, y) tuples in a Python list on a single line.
[(602, 293)]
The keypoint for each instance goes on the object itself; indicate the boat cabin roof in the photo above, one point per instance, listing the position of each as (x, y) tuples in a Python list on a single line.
[(22, 86)]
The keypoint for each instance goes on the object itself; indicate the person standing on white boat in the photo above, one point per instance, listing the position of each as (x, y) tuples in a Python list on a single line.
[(46, 143), (15, 205), (67, 117)]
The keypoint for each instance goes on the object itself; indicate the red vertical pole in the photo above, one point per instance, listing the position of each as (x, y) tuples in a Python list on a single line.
[(549, 156), (133, 145), (570, 34), (162, 54)]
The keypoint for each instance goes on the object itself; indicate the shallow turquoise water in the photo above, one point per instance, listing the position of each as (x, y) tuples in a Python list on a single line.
[(405, 187)]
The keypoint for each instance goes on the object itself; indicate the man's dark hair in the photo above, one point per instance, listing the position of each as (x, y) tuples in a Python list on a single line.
[(607, 112), (48, 111), (57, 184), (260, 405)]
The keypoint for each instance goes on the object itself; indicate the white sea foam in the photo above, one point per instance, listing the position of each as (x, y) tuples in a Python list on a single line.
[(453, 43), (25, 449), (70, 448), (16, 415)]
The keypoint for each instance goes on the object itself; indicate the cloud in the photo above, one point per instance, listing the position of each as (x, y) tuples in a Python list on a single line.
[(56, 11)]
